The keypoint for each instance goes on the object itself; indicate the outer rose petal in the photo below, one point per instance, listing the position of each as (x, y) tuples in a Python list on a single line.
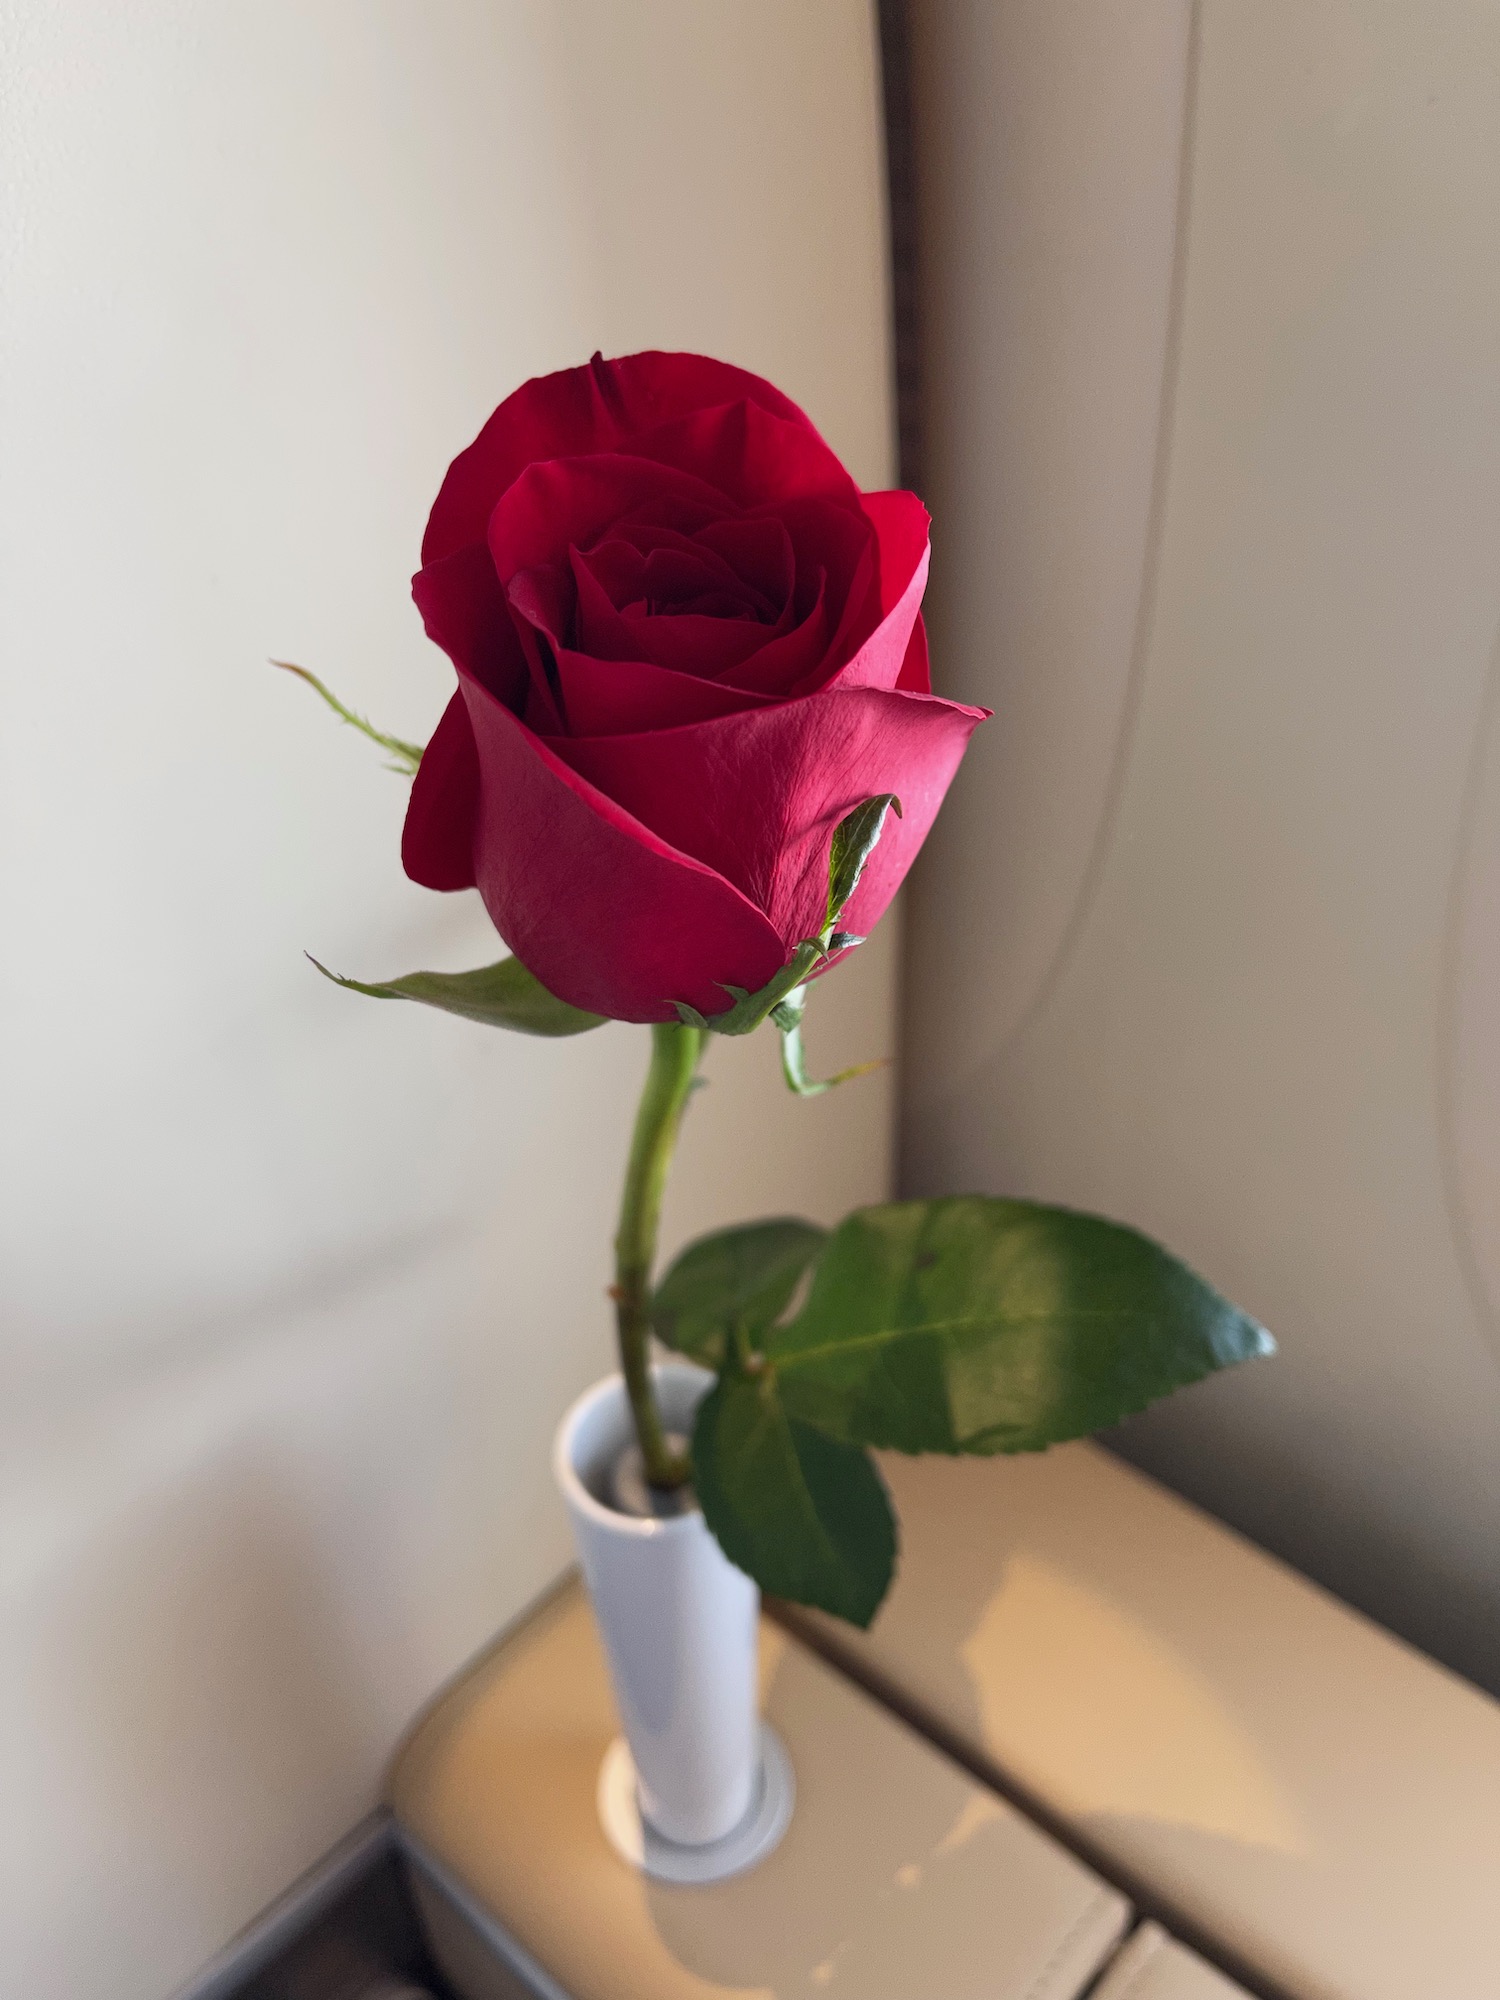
[(609, 697), (438, 837), (464, 611), (757, 459), (607, 915), (916, 673), (902, 525), (598, 408), (757, 795), (901, 522)]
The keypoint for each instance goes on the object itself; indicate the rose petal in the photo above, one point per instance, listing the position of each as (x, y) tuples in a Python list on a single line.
[(541, 600), (623, 697), (921, 796), (756, 796), (606, 914), (754, 457), (916, 675), (660, 561), (687, 644), (779, 663), (902, 526), (900, 521), (464, 611), (757, 548), (836, 551), (437, 839), (563, 503), (597, 408), (678, 581)]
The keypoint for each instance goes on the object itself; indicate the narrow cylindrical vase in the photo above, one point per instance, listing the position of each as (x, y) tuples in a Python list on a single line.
[(678, 1621)]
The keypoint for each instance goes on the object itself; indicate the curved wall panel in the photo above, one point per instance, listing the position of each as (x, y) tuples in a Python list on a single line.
[(1050, 141), (1271, 1035)]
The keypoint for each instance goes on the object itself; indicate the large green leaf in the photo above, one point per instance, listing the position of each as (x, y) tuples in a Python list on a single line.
[(726, 1289), (502, 996), (803, 1514), (978, 1325)]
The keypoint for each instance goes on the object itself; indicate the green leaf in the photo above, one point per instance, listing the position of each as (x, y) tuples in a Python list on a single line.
[(502, 996), (977, 1325), (854, 841), (806, 1516), (724, 1291), (787, 1015)]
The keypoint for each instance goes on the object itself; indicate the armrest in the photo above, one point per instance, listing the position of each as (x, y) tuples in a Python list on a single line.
[(1280, 1778)]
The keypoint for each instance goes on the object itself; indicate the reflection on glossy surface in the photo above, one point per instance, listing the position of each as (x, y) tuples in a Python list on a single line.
[(1136, 1729), (1300, 1787), (899, 1877)]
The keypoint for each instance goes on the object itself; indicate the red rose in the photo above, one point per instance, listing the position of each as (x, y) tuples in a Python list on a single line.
[(687, 646)]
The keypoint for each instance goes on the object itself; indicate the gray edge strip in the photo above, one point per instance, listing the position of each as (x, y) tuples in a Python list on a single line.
[(290, 1915), (494, 1934)]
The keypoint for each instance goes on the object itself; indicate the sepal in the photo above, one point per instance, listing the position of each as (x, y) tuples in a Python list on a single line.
[(853, 843), (787, 1018), (501, 996), (407, 755)]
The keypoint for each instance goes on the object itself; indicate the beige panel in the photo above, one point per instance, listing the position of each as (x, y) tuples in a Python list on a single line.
[(296, 1285), (1317, 1801), (1272, 1040), (1049, 137), (1153, 1966), (899, 1877)]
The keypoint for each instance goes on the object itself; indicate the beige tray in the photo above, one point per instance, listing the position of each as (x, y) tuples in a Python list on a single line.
[(1153, 1966), (900, 1878), (1312, 1801)]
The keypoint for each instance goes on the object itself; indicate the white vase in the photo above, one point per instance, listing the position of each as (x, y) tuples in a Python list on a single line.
[(679, 1624)]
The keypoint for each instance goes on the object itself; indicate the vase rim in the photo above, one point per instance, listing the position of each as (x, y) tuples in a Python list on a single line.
[(611, 1388)]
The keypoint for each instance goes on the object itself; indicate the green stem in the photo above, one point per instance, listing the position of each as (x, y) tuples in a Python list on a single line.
[(675, 1052)]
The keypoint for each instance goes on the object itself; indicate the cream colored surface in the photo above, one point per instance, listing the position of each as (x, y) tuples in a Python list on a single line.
[(1153, 1966), (1207, 936), (1306, 1793), (899, 1877), (296, 1285)]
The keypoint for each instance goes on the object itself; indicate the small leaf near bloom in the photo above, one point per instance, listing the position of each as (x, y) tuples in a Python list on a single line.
[(501, 996)]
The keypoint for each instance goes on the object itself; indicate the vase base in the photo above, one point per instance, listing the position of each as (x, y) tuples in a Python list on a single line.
[(667, 1860)]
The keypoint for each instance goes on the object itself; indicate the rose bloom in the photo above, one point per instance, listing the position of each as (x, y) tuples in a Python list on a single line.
[(687, 645)]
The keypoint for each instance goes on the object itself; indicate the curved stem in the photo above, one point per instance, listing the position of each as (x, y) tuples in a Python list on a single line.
[(675, 1052)]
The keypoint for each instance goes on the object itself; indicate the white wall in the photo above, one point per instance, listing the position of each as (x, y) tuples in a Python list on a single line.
[(296, 1284), (1209, 936)]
